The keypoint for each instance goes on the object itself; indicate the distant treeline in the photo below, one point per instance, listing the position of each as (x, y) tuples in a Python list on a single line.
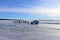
[(8, 19), (4, 19)]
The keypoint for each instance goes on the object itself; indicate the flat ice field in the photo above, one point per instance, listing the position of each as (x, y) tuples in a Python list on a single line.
[(11, 31)]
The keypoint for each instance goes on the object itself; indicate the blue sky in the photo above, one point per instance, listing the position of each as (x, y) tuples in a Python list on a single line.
[(30, 9)]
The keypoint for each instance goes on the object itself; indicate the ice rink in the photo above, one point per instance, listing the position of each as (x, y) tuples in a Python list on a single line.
[(11, 31)]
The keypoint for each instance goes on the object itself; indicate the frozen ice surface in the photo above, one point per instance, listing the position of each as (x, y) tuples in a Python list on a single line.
[(10, 31)]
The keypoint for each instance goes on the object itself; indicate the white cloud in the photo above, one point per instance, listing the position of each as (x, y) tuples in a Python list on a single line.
[(34, 10), (48, 11)]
